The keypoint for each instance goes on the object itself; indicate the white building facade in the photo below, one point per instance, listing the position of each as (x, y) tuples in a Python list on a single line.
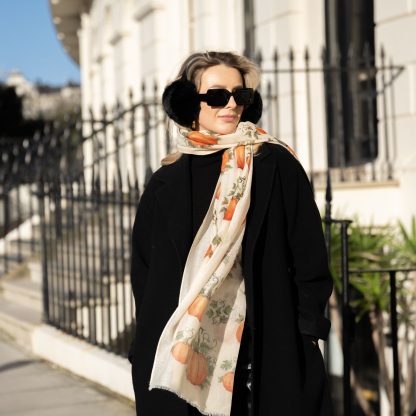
[(121, 44)]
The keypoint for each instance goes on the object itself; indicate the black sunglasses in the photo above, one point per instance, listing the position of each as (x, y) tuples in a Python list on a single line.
[(219, 97)]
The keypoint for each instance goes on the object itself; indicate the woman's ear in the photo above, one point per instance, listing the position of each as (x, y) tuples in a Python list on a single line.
[(181, 102), (254, 110)]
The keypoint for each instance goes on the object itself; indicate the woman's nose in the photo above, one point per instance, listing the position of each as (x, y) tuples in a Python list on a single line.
[(231, 103)]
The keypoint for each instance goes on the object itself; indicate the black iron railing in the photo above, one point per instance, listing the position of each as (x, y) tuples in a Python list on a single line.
[(392, 273), (299, 91), (86, 258), (17, 204)]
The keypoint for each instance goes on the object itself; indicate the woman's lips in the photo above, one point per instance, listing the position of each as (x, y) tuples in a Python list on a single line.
[(228, 118)]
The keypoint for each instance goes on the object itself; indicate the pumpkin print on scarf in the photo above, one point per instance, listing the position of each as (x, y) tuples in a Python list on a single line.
[(198, 350), (227, 380)]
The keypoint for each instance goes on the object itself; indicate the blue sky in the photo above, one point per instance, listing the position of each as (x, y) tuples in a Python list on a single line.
[(29, 44)]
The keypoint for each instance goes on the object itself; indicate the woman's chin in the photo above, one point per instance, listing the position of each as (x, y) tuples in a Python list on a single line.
[(226, 128), (220, 127)]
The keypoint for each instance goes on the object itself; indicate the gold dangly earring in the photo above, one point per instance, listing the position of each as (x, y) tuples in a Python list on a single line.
[(193, 125)]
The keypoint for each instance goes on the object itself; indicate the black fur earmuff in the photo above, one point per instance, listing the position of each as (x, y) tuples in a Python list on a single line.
[(181, 103), (254, 110)]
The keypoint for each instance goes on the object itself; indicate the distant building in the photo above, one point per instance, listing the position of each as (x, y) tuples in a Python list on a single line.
[(42, 101)]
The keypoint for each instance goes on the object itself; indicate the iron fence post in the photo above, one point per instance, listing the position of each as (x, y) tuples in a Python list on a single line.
[(6, 202), (346, 319), (394, 340), (328, 223), (45, 287)]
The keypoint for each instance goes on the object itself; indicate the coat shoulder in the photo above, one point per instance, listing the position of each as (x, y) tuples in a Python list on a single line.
[(159, 179), (283, 157), (288, 166), (162, 173), (161, 176)]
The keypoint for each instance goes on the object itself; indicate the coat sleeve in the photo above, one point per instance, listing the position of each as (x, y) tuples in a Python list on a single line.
[(307, 245)]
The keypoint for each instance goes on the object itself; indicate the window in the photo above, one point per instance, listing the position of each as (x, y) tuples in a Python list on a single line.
[(350, 83), (249, 39)]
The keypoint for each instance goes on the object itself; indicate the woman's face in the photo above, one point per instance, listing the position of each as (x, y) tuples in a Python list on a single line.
[(221, 120)]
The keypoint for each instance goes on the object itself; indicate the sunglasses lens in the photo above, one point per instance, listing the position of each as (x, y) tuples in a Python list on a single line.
[(243, 96), (217, 97)]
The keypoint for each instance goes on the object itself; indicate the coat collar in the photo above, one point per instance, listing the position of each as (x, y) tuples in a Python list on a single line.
[(175, 199)]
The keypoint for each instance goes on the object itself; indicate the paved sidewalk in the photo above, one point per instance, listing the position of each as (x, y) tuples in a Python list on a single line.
[(30, 386)]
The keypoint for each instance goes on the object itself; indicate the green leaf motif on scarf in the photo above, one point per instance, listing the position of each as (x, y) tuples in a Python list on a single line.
[(240, 318), (237, 190), (216, 240), (219, 312), (227, 365)]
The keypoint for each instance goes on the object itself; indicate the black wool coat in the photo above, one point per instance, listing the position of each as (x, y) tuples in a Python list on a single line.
[(287, 283)]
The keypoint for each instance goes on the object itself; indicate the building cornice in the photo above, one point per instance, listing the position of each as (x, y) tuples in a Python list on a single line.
[(147, 8), (118, 36), (66, 16)]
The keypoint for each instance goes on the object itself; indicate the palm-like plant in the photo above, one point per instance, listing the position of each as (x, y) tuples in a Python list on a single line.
[(371, 248), (406, 249), (407, 244)]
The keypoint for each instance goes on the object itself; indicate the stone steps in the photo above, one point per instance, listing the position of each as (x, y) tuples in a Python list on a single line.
[(23, 291), (21, 320), (20, 305)]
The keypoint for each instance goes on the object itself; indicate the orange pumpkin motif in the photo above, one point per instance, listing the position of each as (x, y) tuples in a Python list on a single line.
[(239, 155), (209, 251), (230, 209), (197, 370), (181, 352), (248, 161), (228, 381), (217, 194), (200, 139), (225, 159), (239, 332), (198, 306)]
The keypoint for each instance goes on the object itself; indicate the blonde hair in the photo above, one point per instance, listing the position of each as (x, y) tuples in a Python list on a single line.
[(198, 62)]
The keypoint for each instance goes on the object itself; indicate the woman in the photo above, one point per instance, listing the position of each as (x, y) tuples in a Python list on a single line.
[(229, 265)]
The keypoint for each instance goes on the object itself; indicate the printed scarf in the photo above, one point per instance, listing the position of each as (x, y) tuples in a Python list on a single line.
[(197, 352)]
